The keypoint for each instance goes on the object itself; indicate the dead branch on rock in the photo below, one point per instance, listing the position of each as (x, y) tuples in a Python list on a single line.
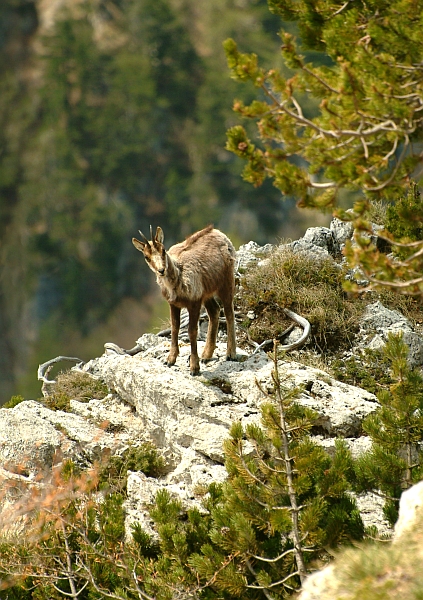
[(45, 368), (164, 333), (302, 322)]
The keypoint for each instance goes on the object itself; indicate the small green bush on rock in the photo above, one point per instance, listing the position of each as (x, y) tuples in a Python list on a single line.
[(143, 458), (14, 401), (74, 385)]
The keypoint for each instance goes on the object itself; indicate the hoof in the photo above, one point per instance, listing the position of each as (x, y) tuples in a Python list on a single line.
[(206, 360), (232, 358), (194, 373), (170, 364)]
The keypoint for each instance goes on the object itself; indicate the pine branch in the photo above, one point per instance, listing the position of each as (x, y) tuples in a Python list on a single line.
[(274, 560), (225, 564), (271, 585)]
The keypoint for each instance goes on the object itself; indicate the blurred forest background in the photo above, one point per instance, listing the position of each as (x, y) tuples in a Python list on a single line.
[(113, 116)]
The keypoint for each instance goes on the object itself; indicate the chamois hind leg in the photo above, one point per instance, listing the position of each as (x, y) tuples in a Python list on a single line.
[(175, 319), (226, 297), (213, 311), (194, 315)]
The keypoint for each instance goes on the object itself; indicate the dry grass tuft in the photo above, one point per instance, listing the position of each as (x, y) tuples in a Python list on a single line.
[(310, 286)]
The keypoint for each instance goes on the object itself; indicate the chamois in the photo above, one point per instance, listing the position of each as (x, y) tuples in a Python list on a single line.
[(191, 274)]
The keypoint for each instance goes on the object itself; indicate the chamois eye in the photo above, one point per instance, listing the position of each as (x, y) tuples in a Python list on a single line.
[(146, 259)]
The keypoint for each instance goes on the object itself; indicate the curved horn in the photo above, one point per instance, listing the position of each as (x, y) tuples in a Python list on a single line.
[(151, 234)]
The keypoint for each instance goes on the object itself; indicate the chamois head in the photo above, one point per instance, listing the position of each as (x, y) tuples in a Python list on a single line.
[(154, 251)]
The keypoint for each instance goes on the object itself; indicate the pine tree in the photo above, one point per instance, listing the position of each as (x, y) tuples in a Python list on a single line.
[(395, 461), (359, 133), (284, 502), (74, 544), (336, 124)]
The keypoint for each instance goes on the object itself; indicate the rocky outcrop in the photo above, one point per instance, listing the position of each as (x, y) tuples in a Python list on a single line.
[(318, 240), (197, 412), (378, 322), (34, 438), (188, 418)]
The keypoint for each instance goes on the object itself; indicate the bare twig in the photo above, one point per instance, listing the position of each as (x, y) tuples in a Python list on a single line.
[(45, 367), (274, 584)]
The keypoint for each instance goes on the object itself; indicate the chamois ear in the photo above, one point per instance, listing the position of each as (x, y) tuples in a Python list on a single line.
[(139, 245), (159, 235)]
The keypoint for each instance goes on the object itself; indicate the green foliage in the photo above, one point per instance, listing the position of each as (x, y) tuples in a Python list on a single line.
[(395, 461), (384, 271), (404, 220), (75, 544), (369, 370), (70, 471), (393, 262), (74, 385), (144, 457), (361, 115), (14, 401), (309, 286)]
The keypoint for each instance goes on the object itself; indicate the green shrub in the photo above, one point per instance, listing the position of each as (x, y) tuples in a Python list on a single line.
[(395, 461), (143, 458), (14, 401), (74, 385), (369, 370)]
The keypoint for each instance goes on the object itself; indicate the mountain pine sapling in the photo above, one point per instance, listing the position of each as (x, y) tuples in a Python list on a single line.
[(395, 461), (285, 502)]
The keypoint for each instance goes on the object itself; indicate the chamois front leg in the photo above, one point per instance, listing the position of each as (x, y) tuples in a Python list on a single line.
[(175, 320), (194, 315)]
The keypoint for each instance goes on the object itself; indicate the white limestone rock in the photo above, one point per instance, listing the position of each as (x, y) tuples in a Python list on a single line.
[(250, 254), (198, 412), (34, 438), (341, 230), (410, 512), (378, 322)]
